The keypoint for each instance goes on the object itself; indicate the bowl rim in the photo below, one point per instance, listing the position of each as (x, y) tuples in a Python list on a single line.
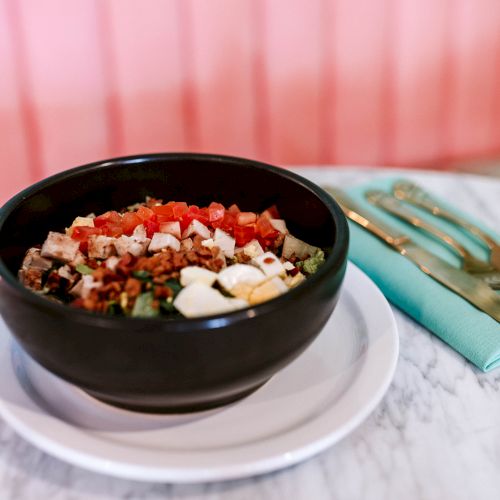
[(334, 262)]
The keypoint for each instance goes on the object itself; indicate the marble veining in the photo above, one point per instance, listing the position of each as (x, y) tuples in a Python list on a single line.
[(436, 434)]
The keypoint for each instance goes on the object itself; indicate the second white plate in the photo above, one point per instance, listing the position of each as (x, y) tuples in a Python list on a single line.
[(318, 399)]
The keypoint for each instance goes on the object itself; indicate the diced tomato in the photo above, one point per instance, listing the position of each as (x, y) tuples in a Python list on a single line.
[(216, 212), (191, 214), (203, 216), (265, 243), (130, 221), (113, 230), (228, 222), (271, 213), (244, 234), (152, 227), (234, 209), (179, 209), (110, 217), (82, 233), (265, 228), (165, 211), (145, 213), (245, 218)]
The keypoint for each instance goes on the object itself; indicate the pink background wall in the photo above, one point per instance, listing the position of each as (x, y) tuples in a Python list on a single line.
[(401, 82)]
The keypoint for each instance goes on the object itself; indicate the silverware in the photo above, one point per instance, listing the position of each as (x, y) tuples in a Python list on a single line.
[(471, 264), (411, 193), (467, 286)]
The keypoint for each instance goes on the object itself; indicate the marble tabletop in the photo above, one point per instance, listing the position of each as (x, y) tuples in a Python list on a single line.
[(435, 435)]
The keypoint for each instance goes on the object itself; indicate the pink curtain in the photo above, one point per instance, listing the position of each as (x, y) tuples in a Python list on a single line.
[(378, 82)]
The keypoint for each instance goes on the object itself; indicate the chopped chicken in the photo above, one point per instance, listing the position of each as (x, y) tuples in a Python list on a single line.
[(65, 272), (136, 245), (79, 259), (192, 274), (267, 291), (60, 247), (196, 227), (34, 260), (84, 286), (101, 247), (112, 262), (129, 244), (164, 240), (187, 244), (173, 228), (225, 242), (140, 233), (32, 269), (208, 243)]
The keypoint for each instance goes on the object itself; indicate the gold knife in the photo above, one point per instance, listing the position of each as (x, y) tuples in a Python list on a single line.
[(470, 288)]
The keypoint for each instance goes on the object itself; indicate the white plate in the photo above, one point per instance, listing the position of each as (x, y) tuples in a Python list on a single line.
[(318, 399)]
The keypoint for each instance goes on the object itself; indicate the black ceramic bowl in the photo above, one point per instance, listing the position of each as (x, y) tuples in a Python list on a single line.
[(170, 365)]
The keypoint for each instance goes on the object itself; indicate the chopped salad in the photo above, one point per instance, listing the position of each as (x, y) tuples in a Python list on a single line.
[(170, 259)]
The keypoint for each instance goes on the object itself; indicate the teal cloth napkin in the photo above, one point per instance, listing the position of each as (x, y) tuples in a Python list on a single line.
[(469, 331)]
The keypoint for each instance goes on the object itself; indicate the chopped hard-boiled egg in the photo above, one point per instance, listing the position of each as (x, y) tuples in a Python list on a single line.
[(267, 291), (192, 274), (293, 281), (269, 264), (242, 291), (237, 274), (199, 299), (225, 242), (164, 240)]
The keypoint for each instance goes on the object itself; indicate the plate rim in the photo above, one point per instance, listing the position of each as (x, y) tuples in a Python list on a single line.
[(15, 416)]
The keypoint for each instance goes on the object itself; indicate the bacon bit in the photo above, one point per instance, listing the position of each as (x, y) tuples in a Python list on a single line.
[(92, 263), (294, 271), (32, 278), (163, 292), (242, 258), (133, 287)]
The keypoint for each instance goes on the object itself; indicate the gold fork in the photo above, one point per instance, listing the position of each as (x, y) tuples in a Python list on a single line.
[(411, 193), (471, 264)]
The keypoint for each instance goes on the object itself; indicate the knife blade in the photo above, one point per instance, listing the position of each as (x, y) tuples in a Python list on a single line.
[(468, 287)]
